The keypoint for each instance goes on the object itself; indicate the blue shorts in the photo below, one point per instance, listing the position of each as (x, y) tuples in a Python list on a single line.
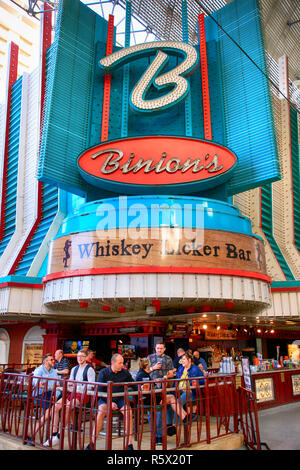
[(119, 402), (44, 399)]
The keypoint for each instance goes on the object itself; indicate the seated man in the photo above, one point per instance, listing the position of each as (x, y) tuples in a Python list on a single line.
[(199, 361), (117, 374), (91, 359), (176, 362), (45, 387), (161, 367), (61, 365), (83, 372)]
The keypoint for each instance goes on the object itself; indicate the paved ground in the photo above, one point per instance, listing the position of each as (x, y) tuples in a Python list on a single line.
[(280, 427)]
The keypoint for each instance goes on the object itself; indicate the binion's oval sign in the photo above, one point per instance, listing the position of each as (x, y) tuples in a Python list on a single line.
[(157, 164)]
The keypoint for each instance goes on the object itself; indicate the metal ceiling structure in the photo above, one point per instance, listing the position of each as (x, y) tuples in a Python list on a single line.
[(162, 19)]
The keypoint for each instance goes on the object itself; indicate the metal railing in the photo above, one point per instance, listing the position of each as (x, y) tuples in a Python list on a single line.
[(156, 413), (249, 418), (19, 367)]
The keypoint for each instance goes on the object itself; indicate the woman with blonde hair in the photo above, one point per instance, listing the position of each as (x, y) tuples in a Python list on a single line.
[(143, 375), (188, 370)]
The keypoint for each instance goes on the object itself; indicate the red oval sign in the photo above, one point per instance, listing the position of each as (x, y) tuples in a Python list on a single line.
[(142, 164)]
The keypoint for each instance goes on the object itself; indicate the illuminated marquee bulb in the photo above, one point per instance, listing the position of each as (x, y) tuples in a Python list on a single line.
[(172, 78)]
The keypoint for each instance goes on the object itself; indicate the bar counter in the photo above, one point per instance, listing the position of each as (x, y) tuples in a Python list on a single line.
[(275, 387)]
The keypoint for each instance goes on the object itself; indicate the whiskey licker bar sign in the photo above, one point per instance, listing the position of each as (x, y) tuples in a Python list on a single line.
[(112, 251), (161, 164)]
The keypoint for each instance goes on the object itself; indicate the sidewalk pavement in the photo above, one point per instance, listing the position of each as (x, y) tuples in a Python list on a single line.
[(279, 427)]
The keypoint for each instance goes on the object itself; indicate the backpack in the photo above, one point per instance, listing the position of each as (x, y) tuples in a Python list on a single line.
[(84, 376)]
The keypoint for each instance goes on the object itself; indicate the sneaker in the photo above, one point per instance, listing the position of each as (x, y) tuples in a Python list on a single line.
[(29, 441), (90, 446), (130, 447), (55, 441), (158, 441), (171, 430)]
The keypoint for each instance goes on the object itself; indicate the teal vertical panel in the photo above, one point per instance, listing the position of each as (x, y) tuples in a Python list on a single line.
[(12, 164), (96, 100), (296, 173), (267, 227), (188, 100), (247, 109), (49, 211), (68, 94), (196, 102), (126, 75), (168, 122), (215, 94)]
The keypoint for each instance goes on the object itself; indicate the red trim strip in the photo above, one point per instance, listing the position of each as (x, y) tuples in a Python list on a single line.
[(107, 82), (46, 43), (204, 75), (12, 77), (17, 284), (285, 289), (156, 269)]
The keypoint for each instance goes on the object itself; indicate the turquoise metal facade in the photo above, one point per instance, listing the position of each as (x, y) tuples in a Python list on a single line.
[(241, 111), (156, 211), (12, 164), (296, 173)]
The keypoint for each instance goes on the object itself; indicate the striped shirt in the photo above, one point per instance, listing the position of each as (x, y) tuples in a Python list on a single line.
[(62, 365)]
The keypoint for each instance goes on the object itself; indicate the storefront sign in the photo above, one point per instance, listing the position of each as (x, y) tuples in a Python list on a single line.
[(248, 382), (132, 329), (220, 334), (264, 390), (157, 247), (33, 353), (166, 163), (296, 384), (173, 79)]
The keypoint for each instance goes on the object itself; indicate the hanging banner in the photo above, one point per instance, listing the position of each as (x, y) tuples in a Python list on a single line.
[(33, 353), (155, 247)]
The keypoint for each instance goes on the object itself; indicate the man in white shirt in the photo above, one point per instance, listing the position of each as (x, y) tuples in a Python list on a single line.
[(83, 372)]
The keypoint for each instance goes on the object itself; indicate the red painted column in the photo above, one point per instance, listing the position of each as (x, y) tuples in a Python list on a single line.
[(107, 82), (204, 74)]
